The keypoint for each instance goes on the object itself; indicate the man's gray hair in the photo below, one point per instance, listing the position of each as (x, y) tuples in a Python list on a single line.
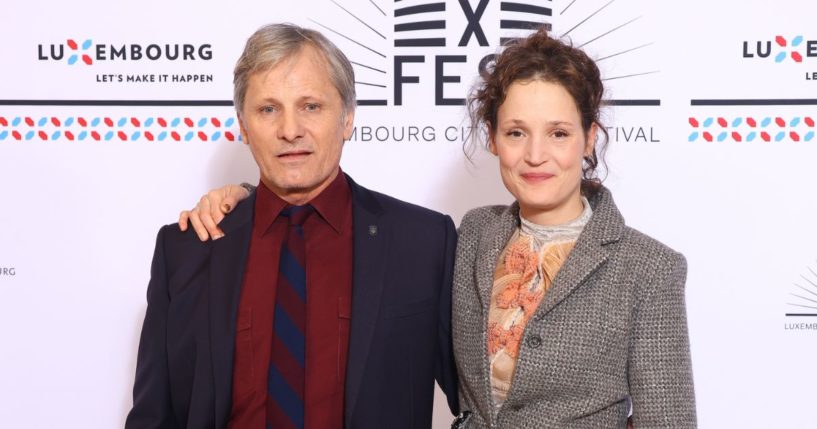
[(275, 42)]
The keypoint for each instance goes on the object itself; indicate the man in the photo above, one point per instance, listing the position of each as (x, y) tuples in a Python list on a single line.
[(324, 304)]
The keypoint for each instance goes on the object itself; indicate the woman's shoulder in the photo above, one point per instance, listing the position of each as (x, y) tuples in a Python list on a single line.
[(608, 224), (643, 249), (645, 243)]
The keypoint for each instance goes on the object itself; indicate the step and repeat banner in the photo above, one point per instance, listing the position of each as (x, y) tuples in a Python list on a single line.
[(116, 116)]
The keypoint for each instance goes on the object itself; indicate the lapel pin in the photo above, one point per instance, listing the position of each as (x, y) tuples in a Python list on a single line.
[(372, 230)]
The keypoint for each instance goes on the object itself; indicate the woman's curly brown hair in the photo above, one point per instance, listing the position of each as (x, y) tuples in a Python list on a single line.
[(541, 57)]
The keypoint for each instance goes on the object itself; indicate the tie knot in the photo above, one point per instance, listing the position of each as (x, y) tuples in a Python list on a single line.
[(297, 214)]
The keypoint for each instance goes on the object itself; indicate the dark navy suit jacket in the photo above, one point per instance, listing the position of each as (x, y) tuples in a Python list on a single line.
[(400, 338)]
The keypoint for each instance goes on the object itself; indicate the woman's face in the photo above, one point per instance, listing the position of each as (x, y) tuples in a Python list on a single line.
[(540, 143)]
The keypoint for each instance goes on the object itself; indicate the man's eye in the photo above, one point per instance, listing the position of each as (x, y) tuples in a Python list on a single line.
[(267, 109), (311, 107)]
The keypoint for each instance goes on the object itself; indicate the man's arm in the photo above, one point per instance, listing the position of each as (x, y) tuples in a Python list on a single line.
[(151, 390), (446, 369)]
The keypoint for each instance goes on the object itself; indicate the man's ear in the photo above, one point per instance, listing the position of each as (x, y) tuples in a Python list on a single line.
[(348, 124), (243, 130)]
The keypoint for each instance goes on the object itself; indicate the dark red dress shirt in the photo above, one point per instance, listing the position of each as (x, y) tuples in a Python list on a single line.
[(328, 240)]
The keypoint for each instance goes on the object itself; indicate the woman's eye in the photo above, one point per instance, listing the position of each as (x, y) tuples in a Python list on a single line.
[(560, 134), (514, 133)]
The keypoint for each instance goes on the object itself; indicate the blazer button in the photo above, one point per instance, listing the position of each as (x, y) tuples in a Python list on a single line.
[(534, 341), (517, 407)]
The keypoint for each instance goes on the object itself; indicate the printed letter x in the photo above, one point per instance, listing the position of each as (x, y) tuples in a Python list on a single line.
[(473, 26)]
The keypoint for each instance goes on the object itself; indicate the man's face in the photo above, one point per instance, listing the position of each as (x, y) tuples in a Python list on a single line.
[(293, 121)]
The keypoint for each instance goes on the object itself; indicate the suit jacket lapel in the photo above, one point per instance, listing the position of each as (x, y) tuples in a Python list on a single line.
[(227, 263), (370, 247), (591, 250), (491, 243)]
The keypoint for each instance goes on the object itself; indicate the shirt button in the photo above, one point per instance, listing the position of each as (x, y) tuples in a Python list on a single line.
[(534, 341)]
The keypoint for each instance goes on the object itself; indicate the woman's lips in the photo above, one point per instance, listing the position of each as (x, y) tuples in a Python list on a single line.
[(536, 177)]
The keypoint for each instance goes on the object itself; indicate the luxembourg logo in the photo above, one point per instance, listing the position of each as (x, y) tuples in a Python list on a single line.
[(781, 49), (94, 54), (89, 52)]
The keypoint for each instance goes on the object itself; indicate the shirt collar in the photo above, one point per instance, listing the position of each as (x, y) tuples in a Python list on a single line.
[(333, 204), (566, 231)]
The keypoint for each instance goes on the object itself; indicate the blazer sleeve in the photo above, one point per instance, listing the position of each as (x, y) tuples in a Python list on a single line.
[(445, 369), (151, 390), (660, 371)]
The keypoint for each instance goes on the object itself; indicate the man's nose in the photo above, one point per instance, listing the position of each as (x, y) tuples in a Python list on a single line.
[(291, 128)]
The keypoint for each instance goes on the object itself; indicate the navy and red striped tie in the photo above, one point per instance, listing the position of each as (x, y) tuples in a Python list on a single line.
[(285, 384)]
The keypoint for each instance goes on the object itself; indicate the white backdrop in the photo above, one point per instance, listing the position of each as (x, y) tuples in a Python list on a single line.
[(87, 176)]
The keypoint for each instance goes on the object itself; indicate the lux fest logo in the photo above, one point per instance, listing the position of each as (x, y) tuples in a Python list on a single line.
[(89, 52), (428, 25), (430, 41)]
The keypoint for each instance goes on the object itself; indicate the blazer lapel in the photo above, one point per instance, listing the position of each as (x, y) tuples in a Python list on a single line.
[(591, 250), (227, 263), (370, 247), (491, 243)]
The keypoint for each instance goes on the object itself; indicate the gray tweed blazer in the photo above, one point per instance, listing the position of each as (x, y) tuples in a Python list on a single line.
[(610, 333)]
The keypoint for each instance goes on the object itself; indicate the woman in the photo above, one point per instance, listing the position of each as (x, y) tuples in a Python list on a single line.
[(564, 317)]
